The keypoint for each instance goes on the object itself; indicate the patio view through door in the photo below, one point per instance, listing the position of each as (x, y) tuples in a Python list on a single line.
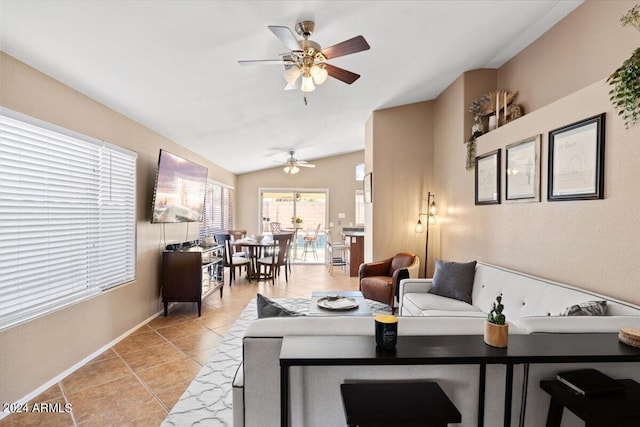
[(301, 211)]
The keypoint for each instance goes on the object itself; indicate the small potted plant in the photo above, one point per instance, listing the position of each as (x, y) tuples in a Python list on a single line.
[(496, 329)]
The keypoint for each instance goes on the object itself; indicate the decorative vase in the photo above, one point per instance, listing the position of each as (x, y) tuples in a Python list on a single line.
[(496, 335)]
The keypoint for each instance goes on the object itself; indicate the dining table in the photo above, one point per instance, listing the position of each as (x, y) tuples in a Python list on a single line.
[(255, 250)]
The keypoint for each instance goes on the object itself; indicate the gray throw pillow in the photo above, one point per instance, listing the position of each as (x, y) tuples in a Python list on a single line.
[(454, 280), (270, 308), (589, 308)]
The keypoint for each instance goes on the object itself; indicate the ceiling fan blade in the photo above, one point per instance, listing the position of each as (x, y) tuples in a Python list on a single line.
[(306, 165), (286, 36), (265, 62), (347, 47), (341, 74)]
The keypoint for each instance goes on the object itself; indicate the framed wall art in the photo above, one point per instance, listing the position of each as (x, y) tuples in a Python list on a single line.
[(488, 178), (576, 160), (522, 170), (367, 188)]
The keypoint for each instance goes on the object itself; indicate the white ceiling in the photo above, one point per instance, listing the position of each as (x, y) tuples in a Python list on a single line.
[(172, 65)]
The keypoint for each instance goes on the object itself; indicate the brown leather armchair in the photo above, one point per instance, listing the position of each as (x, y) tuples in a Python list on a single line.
[(379, 281)]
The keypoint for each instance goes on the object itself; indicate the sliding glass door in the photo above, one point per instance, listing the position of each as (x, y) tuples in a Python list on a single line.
[(301, 211)]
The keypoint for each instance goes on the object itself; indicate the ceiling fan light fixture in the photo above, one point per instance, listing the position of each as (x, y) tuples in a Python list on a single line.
[(291, 74), (307, 84), (319, 74), (291, 170)]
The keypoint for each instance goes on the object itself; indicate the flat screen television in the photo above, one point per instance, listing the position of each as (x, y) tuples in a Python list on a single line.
[(178, 195)]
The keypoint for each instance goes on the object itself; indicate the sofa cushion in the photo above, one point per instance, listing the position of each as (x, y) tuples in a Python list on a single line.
[(427, 301), (454, 280), (454, 313), (589, 308), (575, 324), (269, 308), (376, 280)]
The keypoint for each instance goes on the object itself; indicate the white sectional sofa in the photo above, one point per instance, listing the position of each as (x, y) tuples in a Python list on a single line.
[(531, 304)]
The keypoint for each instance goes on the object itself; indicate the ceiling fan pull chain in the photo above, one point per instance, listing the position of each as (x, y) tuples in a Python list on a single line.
[(305, 100)]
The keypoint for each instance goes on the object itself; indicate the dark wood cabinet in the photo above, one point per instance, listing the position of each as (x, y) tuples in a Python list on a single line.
[(190, 275), (355, 242)]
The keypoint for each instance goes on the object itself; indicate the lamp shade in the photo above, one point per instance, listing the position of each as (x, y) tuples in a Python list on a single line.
[(307, 84), (419, 227), (319, 74), (291, 170), (433, 210), (291, 74)]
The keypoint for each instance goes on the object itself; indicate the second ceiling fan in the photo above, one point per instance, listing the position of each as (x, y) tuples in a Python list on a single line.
[(293, 165), (306, 65)]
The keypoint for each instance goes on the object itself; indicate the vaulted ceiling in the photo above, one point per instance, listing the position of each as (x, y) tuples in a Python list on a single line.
[(172, 65)]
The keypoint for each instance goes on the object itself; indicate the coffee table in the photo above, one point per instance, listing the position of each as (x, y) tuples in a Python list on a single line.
[(362, 309)]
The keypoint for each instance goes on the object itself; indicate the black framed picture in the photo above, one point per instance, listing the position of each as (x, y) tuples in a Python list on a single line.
[(488, 178), (576, 160), (367, 187), (522, 171)]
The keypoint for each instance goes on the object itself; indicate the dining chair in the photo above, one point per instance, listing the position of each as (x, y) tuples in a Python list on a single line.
[(231, 261), (277, 259), (275, 227), (238, 235)]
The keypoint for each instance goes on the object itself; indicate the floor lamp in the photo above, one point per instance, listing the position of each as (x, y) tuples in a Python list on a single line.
[(431, 219)]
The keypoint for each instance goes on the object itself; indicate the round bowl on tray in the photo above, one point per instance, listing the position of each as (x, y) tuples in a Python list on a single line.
[(331, 302)]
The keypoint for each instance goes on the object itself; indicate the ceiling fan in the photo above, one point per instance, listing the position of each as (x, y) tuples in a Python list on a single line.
[(293, 165), (308, 60)]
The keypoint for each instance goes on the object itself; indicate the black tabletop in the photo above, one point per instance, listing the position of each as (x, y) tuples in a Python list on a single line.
[(456, 349)]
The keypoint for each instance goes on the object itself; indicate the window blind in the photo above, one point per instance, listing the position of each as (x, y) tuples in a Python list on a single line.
[(67, 217), (218, 210)]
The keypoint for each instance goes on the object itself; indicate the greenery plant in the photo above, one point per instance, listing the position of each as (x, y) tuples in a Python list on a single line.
[(625, 94), (495, 315), (471, 150)]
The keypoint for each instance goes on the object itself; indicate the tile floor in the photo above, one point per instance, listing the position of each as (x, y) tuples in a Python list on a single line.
[(138, 380)]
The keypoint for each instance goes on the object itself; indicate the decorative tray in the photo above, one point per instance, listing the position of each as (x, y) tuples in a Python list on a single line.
[(337, 303)]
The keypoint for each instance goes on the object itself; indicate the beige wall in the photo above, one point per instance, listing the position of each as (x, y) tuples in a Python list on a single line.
[(34, 353), (590, 244), (585, 47), (337, 174), (402, 166)]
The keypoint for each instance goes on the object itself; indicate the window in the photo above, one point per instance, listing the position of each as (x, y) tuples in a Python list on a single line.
[(360, 172), (67, 217), (360, 195), (360, 207), (218, 210)]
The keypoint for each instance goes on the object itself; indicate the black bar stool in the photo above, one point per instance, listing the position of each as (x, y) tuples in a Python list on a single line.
[(397, 404)]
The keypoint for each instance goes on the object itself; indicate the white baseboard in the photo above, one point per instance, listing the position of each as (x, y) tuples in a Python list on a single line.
[(79, 365)]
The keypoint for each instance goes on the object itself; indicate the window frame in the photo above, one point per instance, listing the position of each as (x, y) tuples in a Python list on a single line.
[(60, 193)]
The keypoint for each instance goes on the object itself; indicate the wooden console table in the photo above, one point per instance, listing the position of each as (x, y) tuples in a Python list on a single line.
[(450, 350)]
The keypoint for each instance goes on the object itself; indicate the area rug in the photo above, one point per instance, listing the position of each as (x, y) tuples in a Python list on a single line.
[(208, 399)]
